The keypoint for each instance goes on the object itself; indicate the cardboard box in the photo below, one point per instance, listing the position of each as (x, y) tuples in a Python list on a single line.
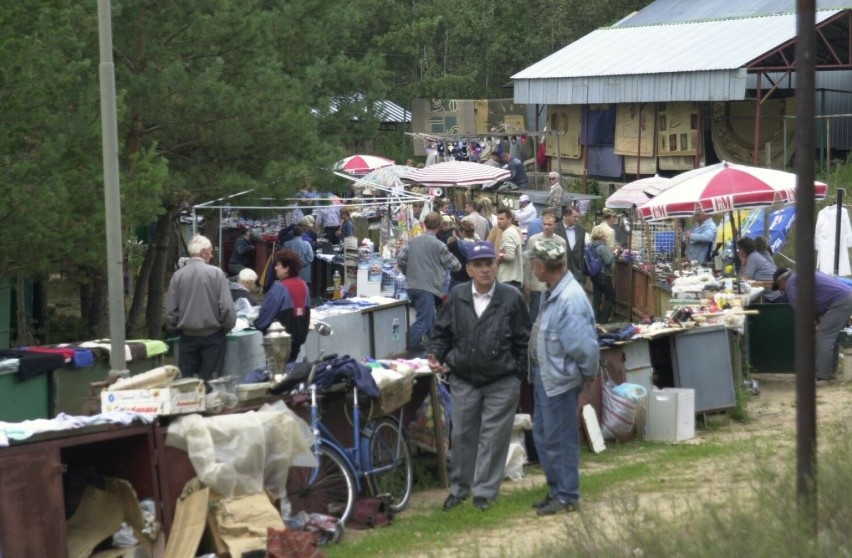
[(181, 396), (671, 415)]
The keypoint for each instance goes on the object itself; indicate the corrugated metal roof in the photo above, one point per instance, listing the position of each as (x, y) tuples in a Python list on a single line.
[(388, 111), (384, 111), (673, 11), (678, 62)]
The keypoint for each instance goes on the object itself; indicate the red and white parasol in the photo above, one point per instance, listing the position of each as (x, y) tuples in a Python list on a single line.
[(359, 165), (456, 173), (723, 187)]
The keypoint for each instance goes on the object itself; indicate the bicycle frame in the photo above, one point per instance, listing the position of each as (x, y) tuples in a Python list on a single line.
[(357, 457)]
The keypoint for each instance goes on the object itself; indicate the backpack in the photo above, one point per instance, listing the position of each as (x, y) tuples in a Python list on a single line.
[(594, 264), (370, 512)]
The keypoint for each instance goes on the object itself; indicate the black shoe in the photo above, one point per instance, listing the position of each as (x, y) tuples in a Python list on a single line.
[(554, 506), (452, 501), (541, 503), (481, 503)]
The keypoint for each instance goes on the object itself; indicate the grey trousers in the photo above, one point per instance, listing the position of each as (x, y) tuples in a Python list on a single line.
[(481, 432), (830, 324)]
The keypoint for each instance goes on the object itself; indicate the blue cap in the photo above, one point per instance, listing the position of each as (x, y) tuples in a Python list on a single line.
[(482, 250)]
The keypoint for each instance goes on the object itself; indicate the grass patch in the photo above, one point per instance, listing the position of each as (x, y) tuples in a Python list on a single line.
[(757, 519), (644, 464)]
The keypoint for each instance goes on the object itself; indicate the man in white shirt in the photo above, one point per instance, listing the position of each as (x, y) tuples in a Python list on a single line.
[(510, 263), (532, 286), (480, 223), (525, 212)]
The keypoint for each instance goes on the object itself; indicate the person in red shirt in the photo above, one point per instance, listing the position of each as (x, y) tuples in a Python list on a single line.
[(288, 301)]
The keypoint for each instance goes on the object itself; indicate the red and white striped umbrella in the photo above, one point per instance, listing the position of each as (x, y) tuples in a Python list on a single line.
[(723, 187), (360, 165), (456, 173)]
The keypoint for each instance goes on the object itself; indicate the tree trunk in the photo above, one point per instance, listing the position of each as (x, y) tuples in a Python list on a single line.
[(93, 303), (24, 325), (135, 314), (157, 285)]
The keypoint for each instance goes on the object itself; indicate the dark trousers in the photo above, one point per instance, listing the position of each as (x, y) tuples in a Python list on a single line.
[(202, 355), (603, 297), (330, 234)]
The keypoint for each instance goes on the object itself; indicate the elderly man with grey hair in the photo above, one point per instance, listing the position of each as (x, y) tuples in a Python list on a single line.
[(246, 281), (200, 309)]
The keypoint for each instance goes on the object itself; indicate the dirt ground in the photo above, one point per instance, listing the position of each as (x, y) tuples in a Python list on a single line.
[(772, 417)]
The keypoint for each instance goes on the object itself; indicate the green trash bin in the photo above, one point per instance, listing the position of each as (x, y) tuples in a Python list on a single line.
[(771, 338), (23, 399)]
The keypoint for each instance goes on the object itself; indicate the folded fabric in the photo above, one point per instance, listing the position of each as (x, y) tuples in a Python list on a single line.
[(67, 353), (34, 364), (82, 357), (153, 347)]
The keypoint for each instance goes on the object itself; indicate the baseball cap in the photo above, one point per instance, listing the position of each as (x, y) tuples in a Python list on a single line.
[(777, 275), (482, 250), (524, 199), (549, 251)]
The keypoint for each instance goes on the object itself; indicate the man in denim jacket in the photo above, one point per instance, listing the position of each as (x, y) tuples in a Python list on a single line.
[(564, 355)]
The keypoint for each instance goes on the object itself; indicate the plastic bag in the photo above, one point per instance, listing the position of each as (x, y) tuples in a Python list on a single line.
[(619, 412)]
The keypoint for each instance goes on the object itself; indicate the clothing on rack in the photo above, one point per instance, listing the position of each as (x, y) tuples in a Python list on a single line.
[(824, 240)]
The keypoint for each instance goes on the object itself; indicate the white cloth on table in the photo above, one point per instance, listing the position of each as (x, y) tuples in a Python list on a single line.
[(28, 428)]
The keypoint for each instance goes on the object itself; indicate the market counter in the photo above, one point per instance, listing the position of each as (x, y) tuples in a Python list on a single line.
[(378, 331)]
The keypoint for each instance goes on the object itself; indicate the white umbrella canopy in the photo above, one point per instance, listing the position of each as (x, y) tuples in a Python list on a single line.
[(456, 173), (387, 178), (633, 193), (360, 165), (723, 187)]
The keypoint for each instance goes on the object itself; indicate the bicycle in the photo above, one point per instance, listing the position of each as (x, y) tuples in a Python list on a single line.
[(379, 460)]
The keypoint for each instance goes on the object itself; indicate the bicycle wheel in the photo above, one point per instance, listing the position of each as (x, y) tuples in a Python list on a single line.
[(327, 489), (390, 463)]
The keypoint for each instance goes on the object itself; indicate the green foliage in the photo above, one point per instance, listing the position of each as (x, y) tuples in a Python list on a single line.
[(216, 96)]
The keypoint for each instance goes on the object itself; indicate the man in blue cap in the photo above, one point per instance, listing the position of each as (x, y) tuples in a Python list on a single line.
[(480, 339)]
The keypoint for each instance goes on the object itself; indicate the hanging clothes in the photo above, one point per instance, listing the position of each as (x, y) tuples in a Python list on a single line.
[(824, 240)]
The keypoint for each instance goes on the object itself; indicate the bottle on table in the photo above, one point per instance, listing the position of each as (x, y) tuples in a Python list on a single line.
[(336, 280)]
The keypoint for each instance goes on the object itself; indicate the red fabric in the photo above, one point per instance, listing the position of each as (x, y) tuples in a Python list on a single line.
[(298, 290), (541, 156), (286, 543)]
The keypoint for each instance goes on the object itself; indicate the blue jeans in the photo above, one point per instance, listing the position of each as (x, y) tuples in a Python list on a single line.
[(556, 434), (424, 321)]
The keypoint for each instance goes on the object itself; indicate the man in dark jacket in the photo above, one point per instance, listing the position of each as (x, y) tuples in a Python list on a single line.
[(575, 239), (242, 256), (480, 339)]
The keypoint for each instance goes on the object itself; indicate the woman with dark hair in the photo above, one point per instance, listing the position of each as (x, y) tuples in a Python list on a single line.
[(288, 301), (756, 268), (762, 248)]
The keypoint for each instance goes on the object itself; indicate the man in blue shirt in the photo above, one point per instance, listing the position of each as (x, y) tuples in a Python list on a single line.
[(518, 175), (832, 305), (700, 238)]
